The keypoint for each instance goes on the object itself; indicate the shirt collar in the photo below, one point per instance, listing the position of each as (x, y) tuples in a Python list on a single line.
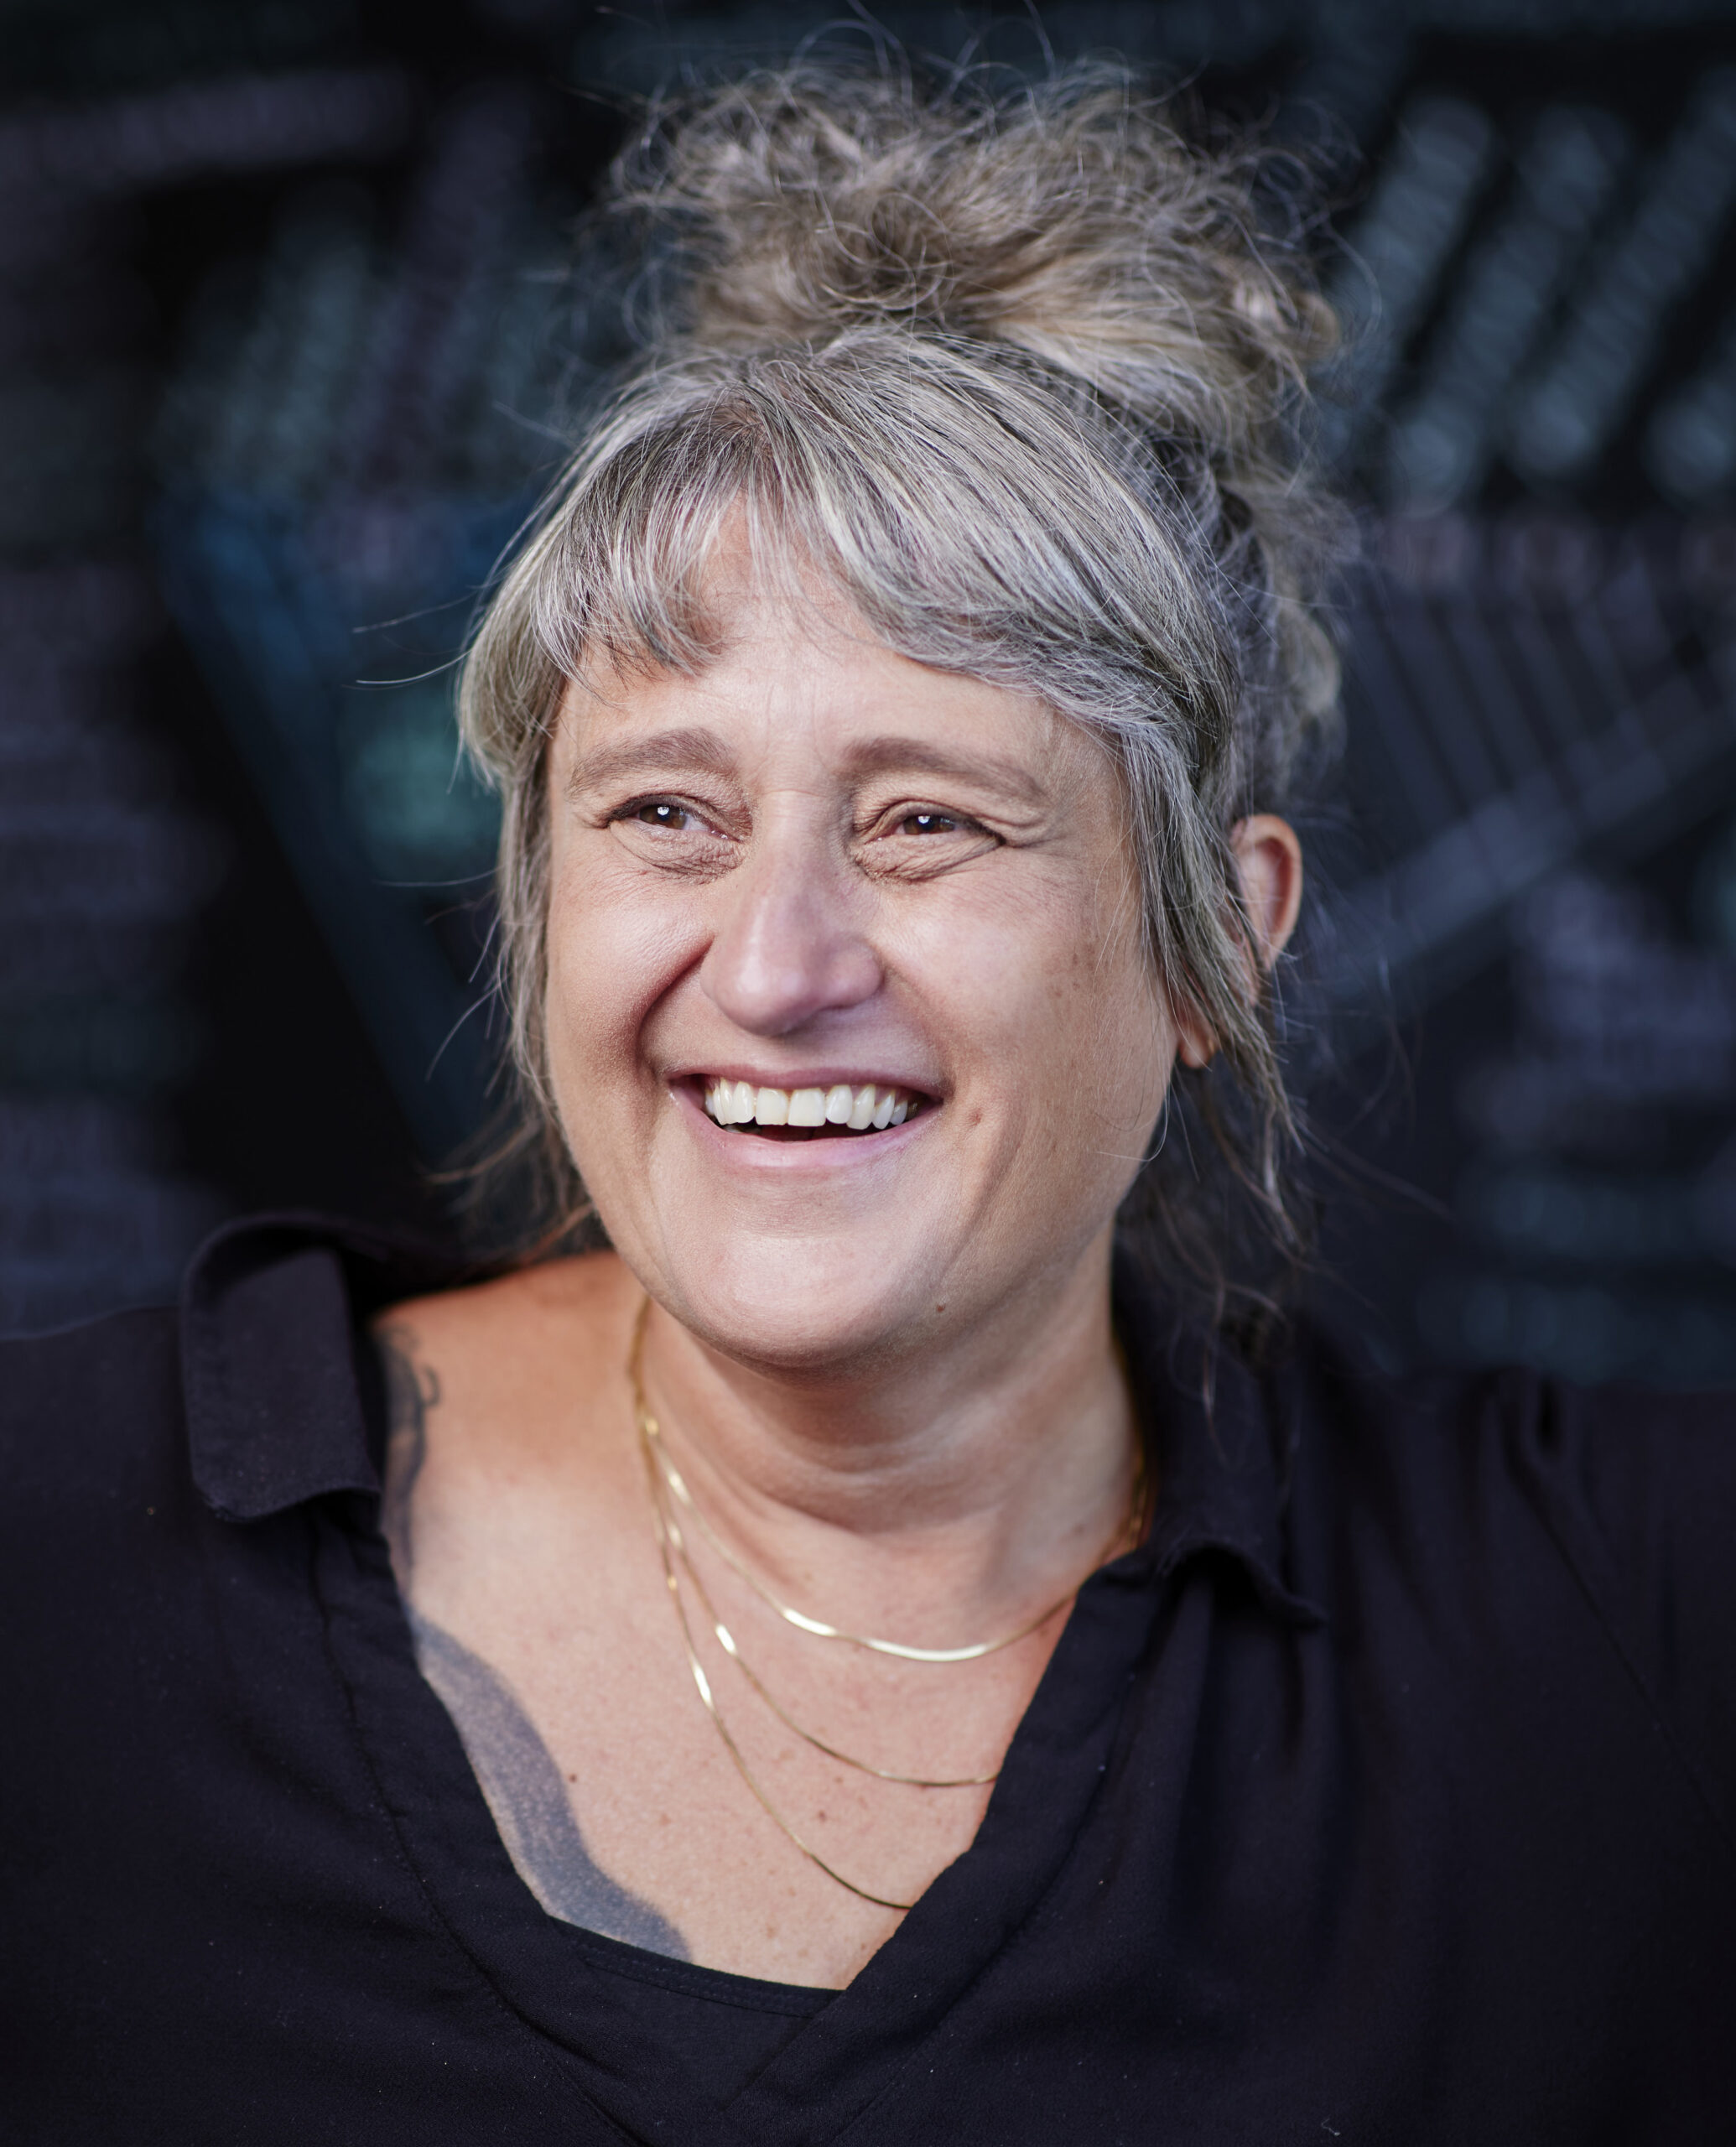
[(271, 1320), (271, 1341), (1222, 1446)]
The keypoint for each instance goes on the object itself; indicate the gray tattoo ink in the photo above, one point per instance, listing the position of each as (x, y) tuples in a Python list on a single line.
[(514, 1768), (412, 1390), (529, 1798)]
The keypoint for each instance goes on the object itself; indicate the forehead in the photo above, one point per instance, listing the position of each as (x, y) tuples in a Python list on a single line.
[(798, 678)]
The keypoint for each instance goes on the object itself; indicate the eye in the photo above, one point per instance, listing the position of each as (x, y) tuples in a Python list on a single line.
[(670, 834), (916, 842)]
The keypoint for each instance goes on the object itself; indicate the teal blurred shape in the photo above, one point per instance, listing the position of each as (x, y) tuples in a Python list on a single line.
[(383, 827)]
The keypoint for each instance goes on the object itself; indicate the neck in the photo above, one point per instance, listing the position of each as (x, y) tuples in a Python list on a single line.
[(952, 1488)]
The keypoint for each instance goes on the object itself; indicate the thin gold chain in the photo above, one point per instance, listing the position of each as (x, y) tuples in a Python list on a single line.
[(652, 1433), (703, 1685), (663, 1482), (726, 1641)]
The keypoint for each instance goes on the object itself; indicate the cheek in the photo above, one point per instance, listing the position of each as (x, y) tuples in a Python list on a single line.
[(1113, 1049), (611, 952), (1056, 997)]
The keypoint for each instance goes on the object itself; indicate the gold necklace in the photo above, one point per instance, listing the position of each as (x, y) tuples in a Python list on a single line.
[(651, 1433), (726, 1641), (703, 1685), (670, 1547)]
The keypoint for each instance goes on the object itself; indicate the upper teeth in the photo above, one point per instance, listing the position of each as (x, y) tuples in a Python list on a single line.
[(740, 1103)]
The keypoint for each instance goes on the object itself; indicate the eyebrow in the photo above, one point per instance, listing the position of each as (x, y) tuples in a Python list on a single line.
[(892, 755), (672, 751), (663, 751)]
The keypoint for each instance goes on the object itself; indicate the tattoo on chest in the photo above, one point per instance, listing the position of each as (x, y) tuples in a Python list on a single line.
[(412, 1390), (516, 1771), (522, 1783)]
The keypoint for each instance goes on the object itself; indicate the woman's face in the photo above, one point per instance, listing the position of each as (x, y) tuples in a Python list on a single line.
[(815, 870)]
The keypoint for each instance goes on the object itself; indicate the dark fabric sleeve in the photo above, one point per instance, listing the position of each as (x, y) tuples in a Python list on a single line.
[(1639, 1491), (96, 1507)]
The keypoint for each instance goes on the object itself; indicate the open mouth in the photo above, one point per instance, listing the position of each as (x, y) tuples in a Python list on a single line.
[(845, 1111)]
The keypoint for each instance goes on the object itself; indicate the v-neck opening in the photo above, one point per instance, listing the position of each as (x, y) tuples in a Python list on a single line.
[(564, 1982), (693, 1979)]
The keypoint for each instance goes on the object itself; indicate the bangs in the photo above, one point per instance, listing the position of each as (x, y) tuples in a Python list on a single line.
[(963, 518)]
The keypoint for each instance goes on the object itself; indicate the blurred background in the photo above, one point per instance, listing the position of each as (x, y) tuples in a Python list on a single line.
[(286, 336)]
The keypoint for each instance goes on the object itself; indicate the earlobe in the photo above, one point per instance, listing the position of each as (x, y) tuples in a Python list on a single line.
[(1195, 1045)]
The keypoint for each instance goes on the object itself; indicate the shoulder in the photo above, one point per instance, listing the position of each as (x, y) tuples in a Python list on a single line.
[(96, 1502), (1535, 1523), (1591, 1458), (263, 1330), (1594, 1467), (1637, 1492), (86, 1408)]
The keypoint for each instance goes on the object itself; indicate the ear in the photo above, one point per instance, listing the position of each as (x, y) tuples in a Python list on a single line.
[(1268, 860), (1269, 864)]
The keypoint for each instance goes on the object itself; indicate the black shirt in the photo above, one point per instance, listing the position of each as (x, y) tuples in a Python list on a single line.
[(1383, 1795)]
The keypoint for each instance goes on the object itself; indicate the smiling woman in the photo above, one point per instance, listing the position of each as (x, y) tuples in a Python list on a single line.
[(873, 1626)]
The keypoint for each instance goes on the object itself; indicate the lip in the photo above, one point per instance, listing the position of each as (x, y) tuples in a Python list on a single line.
[(846, 1151)]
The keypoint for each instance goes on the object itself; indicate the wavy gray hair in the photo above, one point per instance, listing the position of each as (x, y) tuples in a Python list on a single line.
[(1021, 377)]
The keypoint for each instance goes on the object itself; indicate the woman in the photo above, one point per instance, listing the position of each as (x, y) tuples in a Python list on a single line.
[(840, 1661)]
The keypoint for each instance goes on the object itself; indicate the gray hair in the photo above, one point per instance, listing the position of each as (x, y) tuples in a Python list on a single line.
[(1020, 378)]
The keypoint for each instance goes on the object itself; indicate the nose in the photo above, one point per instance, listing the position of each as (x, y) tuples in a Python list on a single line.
[(790, 945)]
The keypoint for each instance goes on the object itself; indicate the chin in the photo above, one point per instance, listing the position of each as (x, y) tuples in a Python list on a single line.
[(795, 1302)]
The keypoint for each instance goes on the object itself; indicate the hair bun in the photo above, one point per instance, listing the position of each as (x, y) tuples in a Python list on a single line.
[(1072, 220)]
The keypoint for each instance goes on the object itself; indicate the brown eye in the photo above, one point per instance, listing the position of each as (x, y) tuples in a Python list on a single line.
[(662, 814), (928, 823)]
